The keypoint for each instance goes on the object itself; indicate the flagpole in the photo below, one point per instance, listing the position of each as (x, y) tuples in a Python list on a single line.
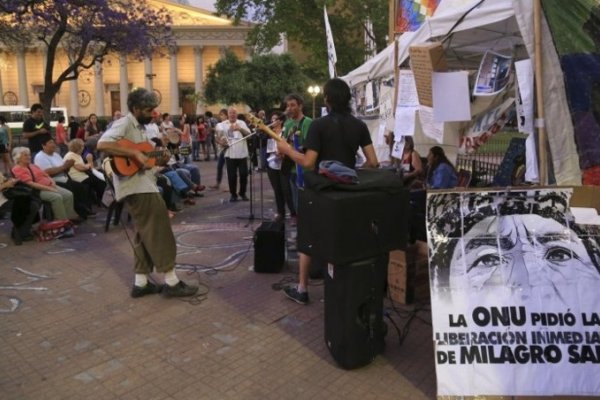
[(331, 55), (392, 21), (539, 91), (396, 74)]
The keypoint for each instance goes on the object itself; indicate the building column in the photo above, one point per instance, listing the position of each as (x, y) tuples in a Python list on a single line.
[(21, 69), (222, 51), (148, 74), (1, 88), (73, 99), (123, 83), (99, 88), (173, 82), (198, 76)]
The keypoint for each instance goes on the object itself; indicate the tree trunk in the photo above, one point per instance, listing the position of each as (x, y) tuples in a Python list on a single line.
[(46, 101)]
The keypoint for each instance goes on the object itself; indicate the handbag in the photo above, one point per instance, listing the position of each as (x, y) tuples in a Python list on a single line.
[(20, 190), (58, 229)]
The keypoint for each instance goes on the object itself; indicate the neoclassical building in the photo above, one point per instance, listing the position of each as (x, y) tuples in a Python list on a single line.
[(201, 39)]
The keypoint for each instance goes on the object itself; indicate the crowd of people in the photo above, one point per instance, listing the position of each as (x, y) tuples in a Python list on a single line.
[(65, 170)]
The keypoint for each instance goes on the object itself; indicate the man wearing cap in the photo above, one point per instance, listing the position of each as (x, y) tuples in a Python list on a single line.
[(154, 243)]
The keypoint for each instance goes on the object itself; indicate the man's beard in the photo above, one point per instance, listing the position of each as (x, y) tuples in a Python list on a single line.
[(144, 120)]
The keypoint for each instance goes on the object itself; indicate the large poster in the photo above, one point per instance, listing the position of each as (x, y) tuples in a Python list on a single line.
[(515, 294)]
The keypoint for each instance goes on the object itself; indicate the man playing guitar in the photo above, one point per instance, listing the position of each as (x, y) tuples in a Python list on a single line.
[(294, 131), (154, 243)]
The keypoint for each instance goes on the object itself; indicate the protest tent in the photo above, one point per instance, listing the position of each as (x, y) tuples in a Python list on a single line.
[(470, 27)]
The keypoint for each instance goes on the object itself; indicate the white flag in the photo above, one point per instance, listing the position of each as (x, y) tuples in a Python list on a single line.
[(330, 46)]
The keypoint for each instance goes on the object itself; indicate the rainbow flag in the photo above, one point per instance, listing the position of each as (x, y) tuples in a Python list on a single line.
[(410, 14)]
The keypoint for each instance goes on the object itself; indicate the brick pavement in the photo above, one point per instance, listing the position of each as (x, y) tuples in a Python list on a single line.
[(69, 329)]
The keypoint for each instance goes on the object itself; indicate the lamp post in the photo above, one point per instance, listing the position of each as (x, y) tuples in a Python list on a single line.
[(314, 91)]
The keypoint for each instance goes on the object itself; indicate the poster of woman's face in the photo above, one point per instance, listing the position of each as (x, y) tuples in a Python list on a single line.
[(515, 288), (524, 241)]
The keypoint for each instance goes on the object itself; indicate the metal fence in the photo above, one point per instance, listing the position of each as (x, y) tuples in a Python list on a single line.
[(483, 163)]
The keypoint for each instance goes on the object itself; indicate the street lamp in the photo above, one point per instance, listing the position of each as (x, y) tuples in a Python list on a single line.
[(314, 91)]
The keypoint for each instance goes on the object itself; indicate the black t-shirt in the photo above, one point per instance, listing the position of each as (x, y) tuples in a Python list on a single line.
[(337, 137), (32, 125)]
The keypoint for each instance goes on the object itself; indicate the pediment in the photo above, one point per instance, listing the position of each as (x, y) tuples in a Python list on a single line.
[(184, 15)]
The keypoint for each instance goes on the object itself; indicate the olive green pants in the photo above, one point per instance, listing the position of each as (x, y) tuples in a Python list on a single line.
[(154, 243)]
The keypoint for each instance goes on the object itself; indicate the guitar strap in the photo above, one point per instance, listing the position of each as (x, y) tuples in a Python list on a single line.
[(31, 172), (297, 132)]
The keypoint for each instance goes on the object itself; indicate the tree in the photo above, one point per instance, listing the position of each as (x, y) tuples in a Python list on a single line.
[(87, 30), (260, 83), (302, 22)]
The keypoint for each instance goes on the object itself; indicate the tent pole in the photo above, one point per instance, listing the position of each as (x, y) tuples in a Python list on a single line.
[(539, 92), (391, 20), (396, 75)]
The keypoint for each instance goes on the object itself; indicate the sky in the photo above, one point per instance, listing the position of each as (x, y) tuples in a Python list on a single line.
[(205, 4)]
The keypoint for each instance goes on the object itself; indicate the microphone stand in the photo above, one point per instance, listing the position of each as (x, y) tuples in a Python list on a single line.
[(250, 217), (264, 170)]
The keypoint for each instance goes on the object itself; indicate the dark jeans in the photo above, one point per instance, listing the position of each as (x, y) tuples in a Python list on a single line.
[(166, 191), (24, 211), (220, 165), (211, 144), (235, 165), (195, 150), (95, 186), (82, 202), (282, 191)]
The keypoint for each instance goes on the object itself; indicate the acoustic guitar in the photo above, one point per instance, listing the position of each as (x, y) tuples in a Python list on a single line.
[(125, 166)]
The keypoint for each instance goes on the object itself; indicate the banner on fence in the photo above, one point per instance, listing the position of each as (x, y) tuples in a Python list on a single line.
[(515, 288), (486, 126)]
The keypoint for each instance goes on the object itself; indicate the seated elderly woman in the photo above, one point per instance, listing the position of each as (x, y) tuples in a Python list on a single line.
[(24, 209), (441, 174), (82, 171), (60, 199)]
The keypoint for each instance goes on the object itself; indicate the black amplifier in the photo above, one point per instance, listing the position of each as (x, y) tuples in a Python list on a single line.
[(269, 247), (341, 226)]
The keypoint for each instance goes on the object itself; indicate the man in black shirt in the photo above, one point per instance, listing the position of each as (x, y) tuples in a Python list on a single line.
[(73, 127), (336, 136), (36, 130)]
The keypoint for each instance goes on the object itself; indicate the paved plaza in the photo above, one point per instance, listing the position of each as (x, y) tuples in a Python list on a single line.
[(69, 329)]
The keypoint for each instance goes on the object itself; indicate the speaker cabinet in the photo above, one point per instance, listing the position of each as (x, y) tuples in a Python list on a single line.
[(269, 247), (354, 327), (344, 226)]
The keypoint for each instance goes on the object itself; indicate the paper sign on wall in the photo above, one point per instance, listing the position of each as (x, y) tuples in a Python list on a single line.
[(451, 96), (407, 106), (430, 128)]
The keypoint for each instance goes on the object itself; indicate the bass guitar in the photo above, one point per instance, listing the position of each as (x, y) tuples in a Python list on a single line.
[(260, 124), (125, 166)]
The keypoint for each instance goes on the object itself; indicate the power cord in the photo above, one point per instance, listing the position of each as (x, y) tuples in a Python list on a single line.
[(408, 315), (199, 297)]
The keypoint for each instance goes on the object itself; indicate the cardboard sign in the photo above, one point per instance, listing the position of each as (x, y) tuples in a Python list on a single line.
[(424, 59)]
